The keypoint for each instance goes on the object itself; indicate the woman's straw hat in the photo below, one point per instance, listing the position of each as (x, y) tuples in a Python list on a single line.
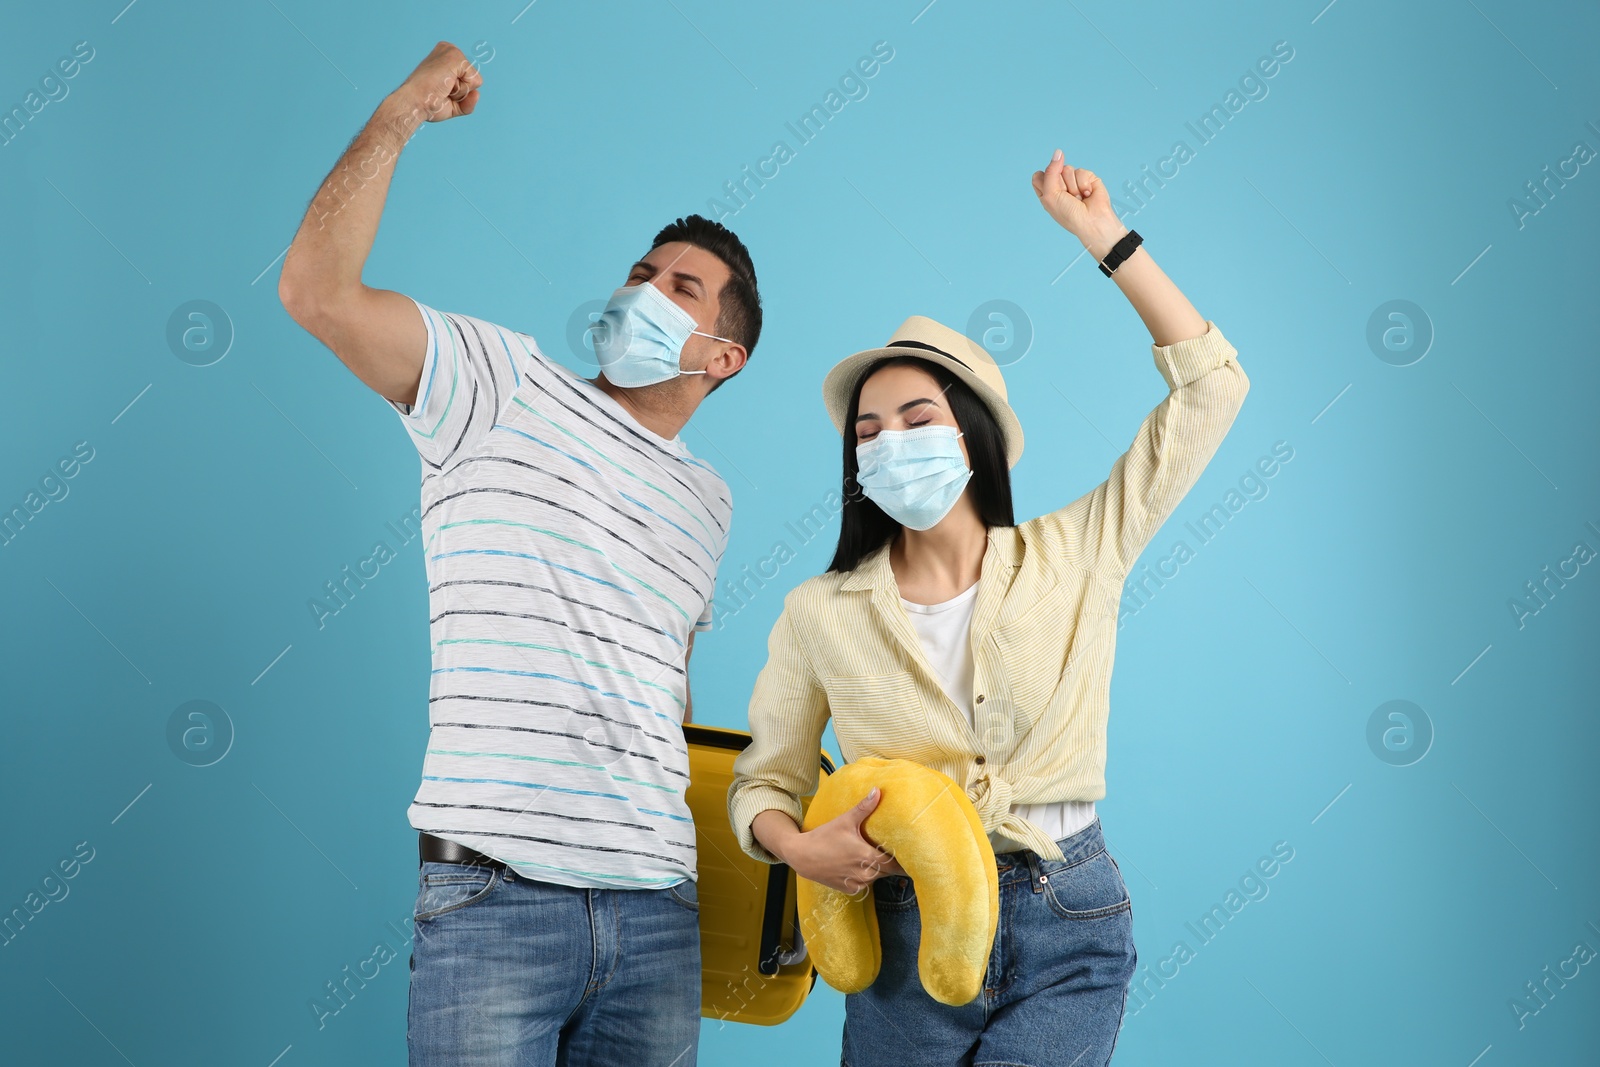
[(924, 338)]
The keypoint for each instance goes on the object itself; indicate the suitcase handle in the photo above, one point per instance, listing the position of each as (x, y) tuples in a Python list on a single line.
[(797, 954), (772, 919)]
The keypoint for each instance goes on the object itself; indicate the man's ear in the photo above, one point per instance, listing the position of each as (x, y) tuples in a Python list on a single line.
[(732, 356)]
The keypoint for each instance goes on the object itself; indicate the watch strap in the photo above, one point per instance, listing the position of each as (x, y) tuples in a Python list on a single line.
[(1120, 252)]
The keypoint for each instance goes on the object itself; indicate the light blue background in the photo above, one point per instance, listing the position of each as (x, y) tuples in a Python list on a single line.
[(1380, 165)]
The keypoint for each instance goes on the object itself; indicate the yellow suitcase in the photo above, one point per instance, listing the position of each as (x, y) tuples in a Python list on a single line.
[(753, 964)]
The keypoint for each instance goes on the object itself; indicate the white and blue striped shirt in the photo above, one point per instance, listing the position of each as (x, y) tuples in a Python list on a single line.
[(569, 552)]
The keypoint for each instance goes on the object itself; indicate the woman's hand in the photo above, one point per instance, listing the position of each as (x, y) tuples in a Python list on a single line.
[(838, 853), (1080, 202)]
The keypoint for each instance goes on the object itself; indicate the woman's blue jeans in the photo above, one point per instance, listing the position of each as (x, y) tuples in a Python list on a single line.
[(510, 971), (1057, 980)]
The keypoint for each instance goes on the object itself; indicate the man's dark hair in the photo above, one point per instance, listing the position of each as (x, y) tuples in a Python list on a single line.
[(739, 317), (863, 525)]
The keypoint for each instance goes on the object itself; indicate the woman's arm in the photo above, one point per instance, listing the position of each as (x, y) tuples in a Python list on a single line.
[(1079, 201), (837, 853), (1106, 528), (788, 711)]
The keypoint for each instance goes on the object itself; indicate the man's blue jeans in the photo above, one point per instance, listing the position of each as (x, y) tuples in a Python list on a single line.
[(1057, 980), (518, 973)]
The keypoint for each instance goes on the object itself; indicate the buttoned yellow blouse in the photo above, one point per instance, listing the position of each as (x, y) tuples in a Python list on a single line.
[(1043, 635)]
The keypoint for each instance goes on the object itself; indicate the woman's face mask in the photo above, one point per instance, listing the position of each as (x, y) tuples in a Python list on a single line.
[(916, 475), (639, 337)]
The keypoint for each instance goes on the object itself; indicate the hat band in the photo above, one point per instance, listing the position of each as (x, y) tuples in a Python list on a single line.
[(930, 348)]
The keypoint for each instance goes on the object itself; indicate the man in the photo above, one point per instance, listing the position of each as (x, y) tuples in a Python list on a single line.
[(571, 546)]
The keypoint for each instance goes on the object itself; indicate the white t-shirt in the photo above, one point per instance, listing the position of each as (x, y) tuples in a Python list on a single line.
[(943, 629), (570, 553)]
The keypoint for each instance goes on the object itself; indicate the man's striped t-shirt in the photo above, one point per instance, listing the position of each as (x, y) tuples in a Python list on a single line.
[(570, 552)]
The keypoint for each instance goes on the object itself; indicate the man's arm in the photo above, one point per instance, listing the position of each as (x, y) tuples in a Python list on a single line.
[(688, 701), (377, 333)]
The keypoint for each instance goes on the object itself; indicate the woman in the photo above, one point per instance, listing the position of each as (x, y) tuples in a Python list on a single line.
[(945, 633)]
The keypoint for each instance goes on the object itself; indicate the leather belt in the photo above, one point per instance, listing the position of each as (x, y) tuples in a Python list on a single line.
[(441, 850)]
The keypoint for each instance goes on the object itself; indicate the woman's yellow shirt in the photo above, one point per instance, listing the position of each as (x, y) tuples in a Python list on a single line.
[(1043, 635)]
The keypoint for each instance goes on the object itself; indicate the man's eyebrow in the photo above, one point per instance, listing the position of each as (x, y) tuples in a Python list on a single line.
[(903, 407), (682, 277)]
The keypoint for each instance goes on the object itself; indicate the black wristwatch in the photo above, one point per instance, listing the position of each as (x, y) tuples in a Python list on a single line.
[(1119, 252)]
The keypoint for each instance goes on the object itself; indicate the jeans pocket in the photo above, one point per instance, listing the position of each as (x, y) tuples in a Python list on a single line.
[(685, 894), (894, 892), (1125, 892), (447, 887), (1089, 889)]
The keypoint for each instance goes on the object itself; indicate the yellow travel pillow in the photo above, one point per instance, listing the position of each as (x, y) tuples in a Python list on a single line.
[(928, 824)]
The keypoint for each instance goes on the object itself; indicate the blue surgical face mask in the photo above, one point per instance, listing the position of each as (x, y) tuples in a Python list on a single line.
[(916, 475), (639, 337)]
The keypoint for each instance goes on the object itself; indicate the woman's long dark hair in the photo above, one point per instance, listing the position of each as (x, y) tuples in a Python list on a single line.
[(863, 526)]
